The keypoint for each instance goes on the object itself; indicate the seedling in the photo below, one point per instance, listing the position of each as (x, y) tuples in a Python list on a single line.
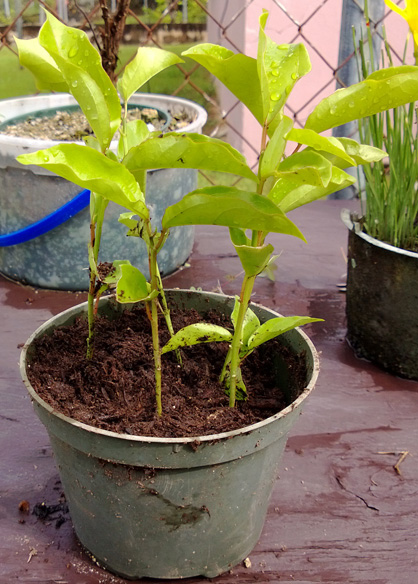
[(62, 58)]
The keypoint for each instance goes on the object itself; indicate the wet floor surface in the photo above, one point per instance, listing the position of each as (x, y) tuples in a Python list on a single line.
[(340, 511)]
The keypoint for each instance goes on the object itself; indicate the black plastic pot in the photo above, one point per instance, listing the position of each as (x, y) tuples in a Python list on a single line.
[(382, 302)]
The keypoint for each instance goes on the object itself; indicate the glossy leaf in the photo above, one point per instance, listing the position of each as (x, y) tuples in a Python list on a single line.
[(308, 167), (136, 132), (254, 259), (236, 71), (132, 286), (195, 334), (275, 327), (80, 65), (279, 68), (91, 170), (251, 321), (187, 151), (41, 65), (147, 62), (289, 196), (275, 148), (230, 207), (385, 89), (361, 153), (321, 144)]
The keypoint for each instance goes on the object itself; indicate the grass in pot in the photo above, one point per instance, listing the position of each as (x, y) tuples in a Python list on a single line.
[(382, 325), (195, 502)]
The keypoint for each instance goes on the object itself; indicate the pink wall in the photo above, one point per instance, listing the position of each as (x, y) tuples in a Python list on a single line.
[(320, 32)]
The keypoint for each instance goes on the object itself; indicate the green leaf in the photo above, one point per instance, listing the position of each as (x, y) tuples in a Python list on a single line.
[(41, 65), (132, 285), (91, 170), (250, 324), (289, 196), (321, 144), (147, 62), (230, 207), (195, 334), (97, 207), (306, 167), (254, 259), (187, 151), (361, 153), (236, 71), (279, 68), (134, 226), (275, 327), (80, 65), (275, 148), (385, 89), (238, 236), (136, 132), (115, 274)]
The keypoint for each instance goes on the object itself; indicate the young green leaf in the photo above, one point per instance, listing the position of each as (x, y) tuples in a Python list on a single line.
[(195, 334), (321, 144), (275, 327), (187, 151), (116, 272), (91, 170), (308, 167), (236, 71), (290, 195), (230, 207), (279, 68), (132, 285), (380, 91), (41, 65), (254, 259), (147, 62), (361, 153), (134, 226), (136, 132), (251, 321), (273, 153), (88, 82), (238, 236)]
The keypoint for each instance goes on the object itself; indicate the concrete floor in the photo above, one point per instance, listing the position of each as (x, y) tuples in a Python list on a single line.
[(340, 512)]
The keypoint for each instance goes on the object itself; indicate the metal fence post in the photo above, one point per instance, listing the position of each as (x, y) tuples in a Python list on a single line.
[(353, 17)]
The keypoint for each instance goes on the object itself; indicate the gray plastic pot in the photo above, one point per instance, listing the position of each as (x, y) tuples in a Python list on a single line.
[(382, 301), (58, 259), (179, 507)]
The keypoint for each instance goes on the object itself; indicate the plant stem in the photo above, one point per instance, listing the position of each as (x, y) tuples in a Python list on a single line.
[(233, 357), (155, 287), (246, 290)]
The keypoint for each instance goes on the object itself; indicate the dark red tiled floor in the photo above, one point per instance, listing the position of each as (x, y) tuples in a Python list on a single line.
[(339, 513)]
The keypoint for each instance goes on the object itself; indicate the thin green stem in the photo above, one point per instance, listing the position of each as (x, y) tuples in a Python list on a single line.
[(155, 286), (246, 290)]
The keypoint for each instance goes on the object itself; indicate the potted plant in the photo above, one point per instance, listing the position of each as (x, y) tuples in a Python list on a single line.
[(171, 501), (382, 307), (42, 216)]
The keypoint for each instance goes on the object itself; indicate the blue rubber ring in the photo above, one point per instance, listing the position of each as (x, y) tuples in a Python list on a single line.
[(54, 219)]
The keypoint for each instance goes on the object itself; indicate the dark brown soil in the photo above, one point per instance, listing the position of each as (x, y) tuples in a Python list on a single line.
[(115, 389)]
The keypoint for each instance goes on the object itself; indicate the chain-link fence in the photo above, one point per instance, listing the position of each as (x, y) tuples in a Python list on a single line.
[(324, 26)]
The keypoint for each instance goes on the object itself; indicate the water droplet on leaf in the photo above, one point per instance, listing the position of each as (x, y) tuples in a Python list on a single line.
[(72, 52), (74, 83)]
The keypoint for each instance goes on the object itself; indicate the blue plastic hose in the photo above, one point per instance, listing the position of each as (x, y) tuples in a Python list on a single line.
[(54, 219)]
